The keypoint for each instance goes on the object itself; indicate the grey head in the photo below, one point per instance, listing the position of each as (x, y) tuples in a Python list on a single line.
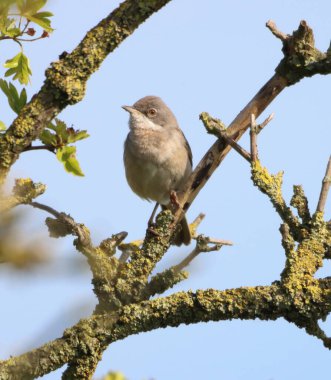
[(151, 112)]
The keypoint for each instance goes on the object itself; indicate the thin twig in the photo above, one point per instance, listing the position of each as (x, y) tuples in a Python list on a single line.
[(48, 209), (277, 33), (199, 219), (259, 127), (40, 147), (195, 224), (202, 246), (30, 40), (237, 147), (72, 226), (25, 27), (253, 138), (325, 188)]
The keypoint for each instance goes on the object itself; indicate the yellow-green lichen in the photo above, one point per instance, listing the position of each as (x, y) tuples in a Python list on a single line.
[(24, 191), (268, 183)]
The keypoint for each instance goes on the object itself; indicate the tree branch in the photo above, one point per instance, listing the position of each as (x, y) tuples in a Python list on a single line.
[(300, 202), (325, 188), (24, 191), (253, 138), (202, 245), (261, 302), (39, 147)]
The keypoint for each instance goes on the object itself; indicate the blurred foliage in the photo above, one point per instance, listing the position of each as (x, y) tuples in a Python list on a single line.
[(16, 251), (114, 376)]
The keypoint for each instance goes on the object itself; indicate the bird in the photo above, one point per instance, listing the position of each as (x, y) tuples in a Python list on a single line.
[(157, 156)]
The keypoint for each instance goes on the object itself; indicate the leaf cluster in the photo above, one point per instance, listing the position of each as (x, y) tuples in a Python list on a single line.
[(16, 100), (58, 136)]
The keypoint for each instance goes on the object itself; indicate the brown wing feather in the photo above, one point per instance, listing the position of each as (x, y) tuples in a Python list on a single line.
[(188, 148)]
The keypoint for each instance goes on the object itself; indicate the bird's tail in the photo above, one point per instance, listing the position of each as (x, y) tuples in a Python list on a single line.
[(183, 234)]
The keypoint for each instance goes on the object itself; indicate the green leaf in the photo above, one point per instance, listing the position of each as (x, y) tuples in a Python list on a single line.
[(15, 100), (2, 126), (30, 6), (13, 32), (11, 63), (19, 67), (77, 135), (30, 10), (8, 27), (23, 98), (48, 138), (42, 19), (63, 135), (60, 128), (67, 155)]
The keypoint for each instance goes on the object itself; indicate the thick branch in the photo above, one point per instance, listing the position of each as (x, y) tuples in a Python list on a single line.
[(262, 302), (202, 306)]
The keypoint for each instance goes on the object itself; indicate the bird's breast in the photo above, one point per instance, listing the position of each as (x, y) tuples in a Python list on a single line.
[(155, 163)]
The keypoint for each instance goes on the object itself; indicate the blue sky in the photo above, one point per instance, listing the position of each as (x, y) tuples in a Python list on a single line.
[(198, 56)]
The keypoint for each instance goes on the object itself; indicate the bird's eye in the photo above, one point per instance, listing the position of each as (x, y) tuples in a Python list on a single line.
[(151, 112)]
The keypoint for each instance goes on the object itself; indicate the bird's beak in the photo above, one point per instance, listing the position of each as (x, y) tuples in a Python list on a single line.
[(129, 109)]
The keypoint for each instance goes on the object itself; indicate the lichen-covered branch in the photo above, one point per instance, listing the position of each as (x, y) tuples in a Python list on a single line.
[(24, 191), (261, 302), (301, 58), (164, 281), (66, 79), (272, 186), (300, 202), (302, 260)]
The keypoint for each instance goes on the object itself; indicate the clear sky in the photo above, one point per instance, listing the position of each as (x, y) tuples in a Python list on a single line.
[(212, 56)]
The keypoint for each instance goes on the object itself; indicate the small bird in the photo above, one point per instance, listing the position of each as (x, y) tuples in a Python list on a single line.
[(157, 156)]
